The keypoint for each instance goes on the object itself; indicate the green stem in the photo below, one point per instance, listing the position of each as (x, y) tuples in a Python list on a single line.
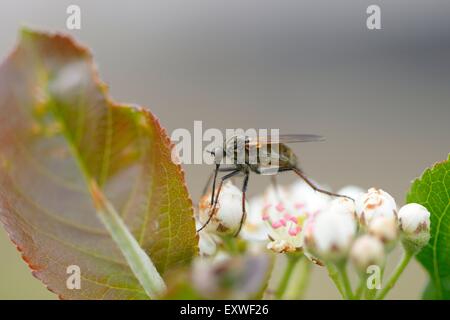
[(139, 262), (262, 293), (346, 282), (299, 280), (407, 255), (361, 288), (370, 294), (291, 262), (303, 280), (230, 244), (334, 275)]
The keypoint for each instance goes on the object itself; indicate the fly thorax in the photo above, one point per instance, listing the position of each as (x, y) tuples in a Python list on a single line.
[(235, 149)]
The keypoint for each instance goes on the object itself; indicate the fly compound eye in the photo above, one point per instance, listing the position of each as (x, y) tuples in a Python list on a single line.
[(218, 155)]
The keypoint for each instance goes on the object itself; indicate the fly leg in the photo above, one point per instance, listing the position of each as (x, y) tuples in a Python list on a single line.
[(214, 175), (312, 185), (214, 204), (216, 170), (244, 211)]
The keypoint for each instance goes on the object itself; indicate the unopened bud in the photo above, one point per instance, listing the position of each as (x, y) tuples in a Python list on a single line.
[(344, 206), (351, 191), (384, 229), (228, 213), (375, 203), (330, 235), (414, 221), (366, 251)]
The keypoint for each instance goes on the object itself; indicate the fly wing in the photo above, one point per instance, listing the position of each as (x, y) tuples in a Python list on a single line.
[(283, 138)]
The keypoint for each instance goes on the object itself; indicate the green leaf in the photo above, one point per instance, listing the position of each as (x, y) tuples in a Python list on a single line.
[(429, 293), (59, 130), (432, 190)]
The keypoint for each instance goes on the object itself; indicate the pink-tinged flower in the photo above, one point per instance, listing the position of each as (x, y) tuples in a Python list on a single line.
[(307, 200), (414, 221), (284, 221), (280, 215), (375, 203), (228, 213), (309, 241), (366, 251)]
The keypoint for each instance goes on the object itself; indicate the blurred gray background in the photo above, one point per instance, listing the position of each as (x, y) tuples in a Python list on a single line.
[(380, 97)]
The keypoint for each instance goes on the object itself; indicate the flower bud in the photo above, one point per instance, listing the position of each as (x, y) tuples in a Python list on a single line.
[(351, 191), (375, 203), (344, 206), (414, 221), (385, 230), (228, 213), (330, 235), (366, 251)]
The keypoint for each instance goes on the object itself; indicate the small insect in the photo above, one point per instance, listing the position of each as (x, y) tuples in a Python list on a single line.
[(267, 155)]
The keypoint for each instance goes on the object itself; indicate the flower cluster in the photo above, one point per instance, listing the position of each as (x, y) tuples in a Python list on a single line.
[(296, 218), (281, 215)]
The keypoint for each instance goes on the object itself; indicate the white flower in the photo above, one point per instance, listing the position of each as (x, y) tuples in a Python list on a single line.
[(329, 235), (255, 229), (284, 221), (414, 221), (366, 251), (346, 205), (375, 203), (308, 240), (384, 229), (228, 214), (282, 246), (307, 200), (287, 210), (284, 212), (207, 242)]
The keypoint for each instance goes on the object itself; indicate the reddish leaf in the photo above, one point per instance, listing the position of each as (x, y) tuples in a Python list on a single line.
[(58, 128)]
